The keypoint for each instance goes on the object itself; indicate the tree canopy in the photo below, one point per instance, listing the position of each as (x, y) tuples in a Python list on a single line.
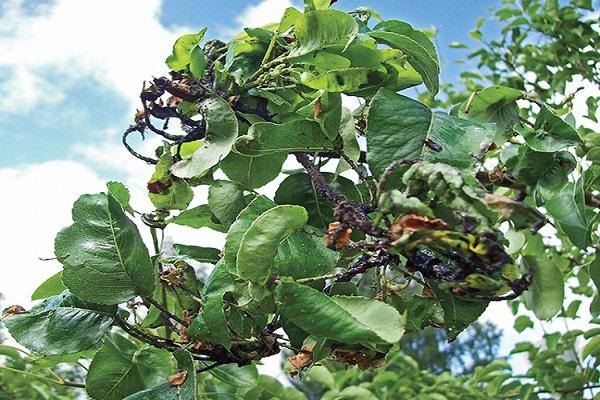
[(382, 220)]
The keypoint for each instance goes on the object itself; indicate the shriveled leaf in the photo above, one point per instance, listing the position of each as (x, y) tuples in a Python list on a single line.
[(349, 320), (221, 132), (105, 260), (168, 192), (259, 244), (62, 324)]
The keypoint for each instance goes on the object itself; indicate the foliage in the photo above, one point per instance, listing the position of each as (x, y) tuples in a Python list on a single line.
[(437, 214), (477, 346)]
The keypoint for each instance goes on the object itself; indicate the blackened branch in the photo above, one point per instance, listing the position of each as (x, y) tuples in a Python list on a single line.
[(363, 264), (318, 180), (131, 150)]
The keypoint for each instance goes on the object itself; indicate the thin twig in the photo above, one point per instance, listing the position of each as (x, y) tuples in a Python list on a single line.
[(131, 150)]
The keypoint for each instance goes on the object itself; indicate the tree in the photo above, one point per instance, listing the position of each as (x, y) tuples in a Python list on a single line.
[(428, 217), (478, 345)]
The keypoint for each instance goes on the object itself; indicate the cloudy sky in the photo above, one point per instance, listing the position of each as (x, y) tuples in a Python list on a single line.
[(70, 72)]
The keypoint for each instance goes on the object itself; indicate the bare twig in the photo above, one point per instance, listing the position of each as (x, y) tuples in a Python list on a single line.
[(131, 150)]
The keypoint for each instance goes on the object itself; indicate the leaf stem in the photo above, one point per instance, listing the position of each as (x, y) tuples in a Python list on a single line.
[(59, 381)]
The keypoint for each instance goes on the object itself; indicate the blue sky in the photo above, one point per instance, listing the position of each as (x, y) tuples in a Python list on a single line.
[(74, 108)]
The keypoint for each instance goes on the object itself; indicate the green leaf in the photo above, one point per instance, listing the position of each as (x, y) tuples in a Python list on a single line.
[(523, 322), (256, 255), (168, 192), (550, 133), (252, 172), (327, 111), (298, 189), (199, 217), (350, 143), (459, 312), (547, 172), (310, 5), (546, 293), (180, 57), (197, 62), (303, 255), (318, 29), (105, 260), (200, 254), (231, 374), (221, 132), (349, 320), (166, 391), (417, 47), (121, 193), (568, 210), (322, 60), (226, 200), (400, 128), (496, 104), (121, 368), (237, 230), (62, 324), (266, 138), (348, 80), (289, 18), (220, 281), (51, 287), (211, 325), (595, 271)]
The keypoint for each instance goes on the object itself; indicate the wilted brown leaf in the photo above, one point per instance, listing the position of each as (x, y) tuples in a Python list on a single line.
[(13, 310), (178, 379), (337, 236), (303, 359), (410, 223)]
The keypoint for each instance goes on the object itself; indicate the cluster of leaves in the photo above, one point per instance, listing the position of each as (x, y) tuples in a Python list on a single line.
[(425, 218), (402, 377)]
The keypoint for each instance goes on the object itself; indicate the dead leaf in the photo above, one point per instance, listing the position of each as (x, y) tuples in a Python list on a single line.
[(302, 359), (13, 310), (337, 236), (410, 223), (178, 379), (318, 109)]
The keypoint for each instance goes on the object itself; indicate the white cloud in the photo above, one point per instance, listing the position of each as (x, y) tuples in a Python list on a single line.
[(263, 13), (36, 204), (116, 44)]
